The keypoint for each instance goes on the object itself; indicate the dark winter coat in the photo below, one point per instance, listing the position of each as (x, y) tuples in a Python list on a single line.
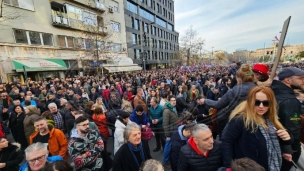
[(124, 161), (170, 121), (240, 142), (17, 129), (289, 113), (178, 140), (190, 160), (12, 156)]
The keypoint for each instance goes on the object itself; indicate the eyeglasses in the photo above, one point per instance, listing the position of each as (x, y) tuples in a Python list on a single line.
[(85, 124), (39, 159), (258, 103)]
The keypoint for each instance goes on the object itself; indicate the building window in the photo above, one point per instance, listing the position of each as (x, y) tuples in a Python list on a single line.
[(160, 33), (47, 39), (20, 36), (146, 14), (137, 53), (115, 26), (146, 28), (153, 30), (115, 47), (132, 21), (134, 38), (157, 7), (89, 18), (75, 13), (114, 5), (139, 39), (33, 38), (161, 22), (170, 27), (64, 41), (149, 3), (80, 43), (25, 4), (131, 7), (136, 24)]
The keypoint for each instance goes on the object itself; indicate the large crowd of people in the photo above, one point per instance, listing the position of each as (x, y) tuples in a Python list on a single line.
[(211, 118)]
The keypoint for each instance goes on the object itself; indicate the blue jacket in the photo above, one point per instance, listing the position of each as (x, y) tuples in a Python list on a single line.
[(52, 159), (135, 118), (178, 140), (33, 103), (240, 142), (156, 113)]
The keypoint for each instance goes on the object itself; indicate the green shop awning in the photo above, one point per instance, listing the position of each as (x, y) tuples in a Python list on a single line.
[(39, 64)]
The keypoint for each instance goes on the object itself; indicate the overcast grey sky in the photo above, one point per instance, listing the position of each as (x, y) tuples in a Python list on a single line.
[(240, 24)]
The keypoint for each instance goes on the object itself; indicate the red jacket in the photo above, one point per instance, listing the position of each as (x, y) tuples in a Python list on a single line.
[(106, 94)]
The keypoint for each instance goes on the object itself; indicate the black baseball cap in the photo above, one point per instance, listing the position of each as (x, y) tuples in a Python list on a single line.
[(289, 72)]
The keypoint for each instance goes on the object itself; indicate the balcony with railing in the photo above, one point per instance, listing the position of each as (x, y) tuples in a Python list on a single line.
[(97, 4)]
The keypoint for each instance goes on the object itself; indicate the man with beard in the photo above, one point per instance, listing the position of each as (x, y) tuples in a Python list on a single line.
[(289, 111), (86, 146), (55, 138)]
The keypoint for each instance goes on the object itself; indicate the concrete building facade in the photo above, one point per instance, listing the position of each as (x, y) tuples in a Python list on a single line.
[(58, 38), (150, 29)]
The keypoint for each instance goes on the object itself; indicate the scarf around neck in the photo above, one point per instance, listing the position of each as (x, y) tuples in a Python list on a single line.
[(273, 146), (168, 104), (139, 148)]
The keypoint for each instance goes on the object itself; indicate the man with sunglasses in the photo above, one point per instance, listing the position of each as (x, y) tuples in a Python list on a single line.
[(37, 158), (289, 110)]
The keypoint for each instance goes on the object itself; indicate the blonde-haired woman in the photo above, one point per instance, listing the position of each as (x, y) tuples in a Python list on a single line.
[(233, 97), (254, 131)]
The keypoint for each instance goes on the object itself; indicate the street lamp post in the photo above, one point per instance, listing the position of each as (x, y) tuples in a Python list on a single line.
[(211, 55), (144, 59)]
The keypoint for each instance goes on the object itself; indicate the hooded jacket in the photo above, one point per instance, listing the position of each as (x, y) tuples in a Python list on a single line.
[(11, 156), (52, 159), (91, 145), (190, 158), (57, 143), (289, 112), (178, 140)]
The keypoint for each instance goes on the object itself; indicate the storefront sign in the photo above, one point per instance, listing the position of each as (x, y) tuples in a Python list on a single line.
[(39, 64)]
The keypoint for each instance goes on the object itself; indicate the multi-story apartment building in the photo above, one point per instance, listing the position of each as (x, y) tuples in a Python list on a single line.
[(59, 38), (151, 36)]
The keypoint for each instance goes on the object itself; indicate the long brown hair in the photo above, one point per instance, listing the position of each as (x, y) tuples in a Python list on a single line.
[(247, 110)]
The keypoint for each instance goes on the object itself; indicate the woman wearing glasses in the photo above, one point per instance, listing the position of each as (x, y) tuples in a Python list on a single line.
[(254, 131)]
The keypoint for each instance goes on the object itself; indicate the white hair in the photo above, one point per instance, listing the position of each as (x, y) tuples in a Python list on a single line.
[(199, 127), (130, 126), (35, 147), (52, 104)]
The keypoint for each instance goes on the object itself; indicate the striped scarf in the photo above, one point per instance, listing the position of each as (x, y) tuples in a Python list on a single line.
[(273, 147)]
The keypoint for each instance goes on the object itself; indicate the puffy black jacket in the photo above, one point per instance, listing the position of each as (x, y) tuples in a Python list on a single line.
[(177, 144), (189, 160), (289, 112)]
